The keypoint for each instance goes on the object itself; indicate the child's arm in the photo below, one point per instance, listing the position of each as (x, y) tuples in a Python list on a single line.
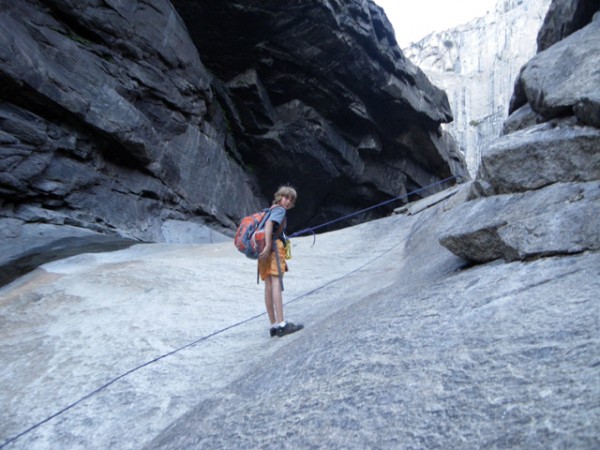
[(268, 240)]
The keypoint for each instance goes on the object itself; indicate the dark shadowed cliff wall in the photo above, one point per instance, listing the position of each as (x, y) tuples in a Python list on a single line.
[(159, 121)]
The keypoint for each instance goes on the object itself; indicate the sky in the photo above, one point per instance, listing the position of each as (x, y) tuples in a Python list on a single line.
[(414, 19)]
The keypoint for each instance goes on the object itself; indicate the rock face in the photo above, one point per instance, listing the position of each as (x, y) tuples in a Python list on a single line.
[(103, 128), (476, 64), (540, 182), (403, 347), (118, 118), (318, 94)]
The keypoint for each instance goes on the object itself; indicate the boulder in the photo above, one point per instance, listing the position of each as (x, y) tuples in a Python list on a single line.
[(524, 117), (557, 79), (540, 155), (578, 50), (563, 18), (561, 219)]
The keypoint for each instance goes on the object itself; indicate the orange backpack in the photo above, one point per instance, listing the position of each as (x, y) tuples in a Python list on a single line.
[(250, 236)]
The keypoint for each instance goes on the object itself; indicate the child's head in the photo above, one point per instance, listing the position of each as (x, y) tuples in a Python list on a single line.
[(285, 191)]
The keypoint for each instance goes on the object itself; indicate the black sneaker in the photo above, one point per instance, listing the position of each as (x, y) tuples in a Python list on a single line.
[(273, 331), (289, 328)]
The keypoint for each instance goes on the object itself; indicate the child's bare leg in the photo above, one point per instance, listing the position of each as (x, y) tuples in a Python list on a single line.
[(276, 296), (269, 300)]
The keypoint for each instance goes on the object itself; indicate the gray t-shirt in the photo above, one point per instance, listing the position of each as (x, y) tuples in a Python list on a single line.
[(277, 216)]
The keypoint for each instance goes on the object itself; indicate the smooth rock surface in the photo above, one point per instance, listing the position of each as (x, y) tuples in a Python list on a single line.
[(166, 346), (41, 243)]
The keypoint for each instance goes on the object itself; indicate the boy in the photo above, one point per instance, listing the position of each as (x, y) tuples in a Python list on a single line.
[(271, 261)]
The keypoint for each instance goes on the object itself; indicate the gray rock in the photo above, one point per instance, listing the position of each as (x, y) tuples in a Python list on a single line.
[(255, 113), (587, 111), (541, 155), (545, 163), (431, 200), (405, 345), (26, 246), (336, 121), (555, 80), (563, 218), (498, 356), (185, 232), (564, 17), (125, 117), (522, 118)]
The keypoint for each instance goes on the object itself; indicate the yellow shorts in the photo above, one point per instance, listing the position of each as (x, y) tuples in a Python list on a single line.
[(268, 266)]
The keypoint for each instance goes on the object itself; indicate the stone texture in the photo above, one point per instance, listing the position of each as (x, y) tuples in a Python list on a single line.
[(564, 17), (321, 96), (85, 94), (541, 155), (122, 117), (25, 246), (555, 80), (587, 110), (405, 346), (522, 118), (442, 371), (563, 218)]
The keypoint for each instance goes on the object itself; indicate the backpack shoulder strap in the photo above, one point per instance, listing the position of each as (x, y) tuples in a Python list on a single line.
[(264, 219), (281, 227)]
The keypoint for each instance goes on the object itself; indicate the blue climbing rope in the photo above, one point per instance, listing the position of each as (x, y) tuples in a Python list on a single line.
[(312, 230)]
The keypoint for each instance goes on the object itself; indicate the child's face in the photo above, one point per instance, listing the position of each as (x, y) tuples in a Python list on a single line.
[(287, 202)]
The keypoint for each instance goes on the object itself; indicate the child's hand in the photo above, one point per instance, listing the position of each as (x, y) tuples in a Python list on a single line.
[(265, 253)]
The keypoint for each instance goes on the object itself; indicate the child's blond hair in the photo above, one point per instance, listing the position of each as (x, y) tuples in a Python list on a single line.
[(285, 191)]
